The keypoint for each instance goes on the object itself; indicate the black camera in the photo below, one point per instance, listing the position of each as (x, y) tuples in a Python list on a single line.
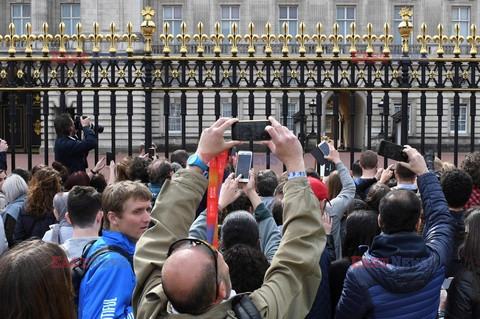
[(78, 125)]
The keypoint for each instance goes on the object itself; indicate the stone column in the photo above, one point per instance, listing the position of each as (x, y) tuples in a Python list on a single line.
[(38, 15)]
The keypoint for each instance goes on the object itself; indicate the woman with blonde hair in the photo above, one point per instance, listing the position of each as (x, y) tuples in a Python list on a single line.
[(36, 214)]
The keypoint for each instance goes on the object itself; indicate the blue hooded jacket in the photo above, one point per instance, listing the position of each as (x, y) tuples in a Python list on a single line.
[(401, 275), (107, 287)]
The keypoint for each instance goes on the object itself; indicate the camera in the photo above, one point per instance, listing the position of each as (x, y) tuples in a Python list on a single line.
[(78, 125)]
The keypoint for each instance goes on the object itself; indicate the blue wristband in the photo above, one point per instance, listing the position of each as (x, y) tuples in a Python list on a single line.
[(296, 174)]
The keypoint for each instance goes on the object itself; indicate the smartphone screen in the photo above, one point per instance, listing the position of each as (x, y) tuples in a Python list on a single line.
[(250, 130), (320, 152), (110, 157), (325, 148), (151, 152), (391, 150), (244, 163)]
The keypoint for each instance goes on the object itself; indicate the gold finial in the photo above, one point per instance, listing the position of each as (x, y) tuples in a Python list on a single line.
[(217, 38), (440, 38), (28, 38), (1, 38), (166, 38), (251, 38), (234, 38), (62, 37), (335, 37), (405, 27), (319, 38), (353, 38), (79, 38), (45, 38), (12, 38), (285, 38), (302, 38), (457, 39), (369, 38), (148, 28), (112, 37), (184, 37), (386, 38), (200, 37), (96, 37), (423, 39), (473, 39), (268, 37), (129, 37)]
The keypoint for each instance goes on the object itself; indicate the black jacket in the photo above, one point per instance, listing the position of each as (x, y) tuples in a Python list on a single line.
[(72, 152), (28, 226), (464, 296)]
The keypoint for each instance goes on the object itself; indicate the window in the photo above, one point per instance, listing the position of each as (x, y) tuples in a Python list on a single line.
[(345, 17), (461, 16), (20, 17), (175, 119), (289, 15), (226, 109), (292, 108), (70, 16), (462, 119), (398, 108), (397, 39), (230, 15), (173, 15)]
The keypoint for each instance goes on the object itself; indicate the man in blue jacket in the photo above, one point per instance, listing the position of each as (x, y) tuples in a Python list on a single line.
[(400, 276), (69, 150), (107, 287)]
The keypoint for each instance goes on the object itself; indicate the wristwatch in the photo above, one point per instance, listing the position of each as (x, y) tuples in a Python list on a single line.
[(194, 160)]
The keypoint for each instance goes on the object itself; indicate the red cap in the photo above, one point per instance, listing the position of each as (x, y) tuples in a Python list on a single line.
[(318, 188)]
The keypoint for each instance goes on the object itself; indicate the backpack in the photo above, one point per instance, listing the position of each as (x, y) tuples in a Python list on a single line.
[(80, 266)]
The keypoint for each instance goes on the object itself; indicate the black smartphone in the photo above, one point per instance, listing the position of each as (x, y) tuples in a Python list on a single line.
[(244, 163), (151, 153), (110, 157), (391, 150), (320, 152), (250, 130)]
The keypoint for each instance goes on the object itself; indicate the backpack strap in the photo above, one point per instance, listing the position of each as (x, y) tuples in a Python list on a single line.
[(245, 309), (106, 249), (56, 233)]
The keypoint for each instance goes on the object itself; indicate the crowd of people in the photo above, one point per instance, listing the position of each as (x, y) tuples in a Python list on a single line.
[(364, 242)]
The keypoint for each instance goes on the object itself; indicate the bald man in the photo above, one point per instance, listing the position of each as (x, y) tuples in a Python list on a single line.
[(187, 278)]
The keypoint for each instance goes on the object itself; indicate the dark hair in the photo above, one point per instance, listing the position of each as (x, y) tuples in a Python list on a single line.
[(180, 157), (312, 172), (469, 251), (241, 203), (25, 174), (277, 212), (159, 170), (239, 227), (62, 170), (83, 202), (116, 195), (138, 169), (98, 182), (266, 182), (471, 165), (361, 227), (375, 195), (37, 167), (41, 190), (457, 187), (35, 283), (404, 173), (357, 169), (63, 122), (368, 159), (399, 211), (247, 266), (123, 169), (77, 178)]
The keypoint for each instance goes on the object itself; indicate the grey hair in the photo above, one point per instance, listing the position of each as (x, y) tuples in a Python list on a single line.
[(14, 187)]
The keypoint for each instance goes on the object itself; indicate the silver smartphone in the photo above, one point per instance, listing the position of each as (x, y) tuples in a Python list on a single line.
[(244, 163)]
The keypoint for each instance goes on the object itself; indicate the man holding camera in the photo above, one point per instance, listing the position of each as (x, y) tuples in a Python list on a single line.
[(69, 150)]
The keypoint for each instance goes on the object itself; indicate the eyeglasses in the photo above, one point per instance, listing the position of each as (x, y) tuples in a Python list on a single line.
[(192, 242)]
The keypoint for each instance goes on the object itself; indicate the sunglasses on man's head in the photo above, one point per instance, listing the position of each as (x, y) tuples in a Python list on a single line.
[(192, 242)]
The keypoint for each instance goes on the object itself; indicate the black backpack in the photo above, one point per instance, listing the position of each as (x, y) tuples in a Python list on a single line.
[(80, 266)]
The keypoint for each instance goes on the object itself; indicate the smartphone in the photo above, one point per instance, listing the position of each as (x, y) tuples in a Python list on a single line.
[(320, 152), (250, 130), (391, 150), (110, 157), (244, 163), (151, 153)]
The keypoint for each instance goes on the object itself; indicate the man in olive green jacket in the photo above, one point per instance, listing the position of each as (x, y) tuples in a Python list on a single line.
[(181, 281)]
